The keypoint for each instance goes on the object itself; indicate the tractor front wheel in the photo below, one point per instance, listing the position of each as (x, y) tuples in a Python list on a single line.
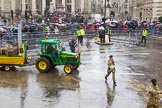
[(68, 69), (43, 65)]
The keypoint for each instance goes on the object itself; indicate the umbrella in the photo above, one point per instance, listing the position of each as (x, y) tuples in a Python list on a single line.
[(98, 24), (2, 30)]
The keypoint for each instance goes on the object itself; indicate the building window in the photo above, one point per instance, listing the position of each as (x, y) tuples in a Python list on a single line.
[(69, 8), (68, 1), (59, 1)]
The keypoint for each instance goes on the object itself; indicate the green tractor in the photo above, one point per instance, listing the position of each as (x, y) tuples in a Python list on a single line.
[(52, 55)]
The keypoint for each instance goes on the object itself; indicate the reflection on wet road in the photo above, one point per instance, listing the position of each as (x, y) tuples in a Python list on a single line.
[(85, 88)]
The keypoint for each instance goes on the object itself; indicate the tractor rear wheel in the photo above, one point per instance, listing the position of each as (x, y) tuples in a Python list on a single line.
[(68, 69), (43, 65)]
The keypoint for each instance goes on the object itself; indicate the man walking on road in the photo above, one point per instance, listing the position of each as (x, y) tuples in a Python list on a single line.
[(111, 69), (154, 95), (144, 35)]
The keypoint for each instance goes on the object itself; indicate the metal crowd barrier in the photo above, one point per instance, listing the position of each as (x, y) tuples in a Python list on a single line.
[(35, 37)]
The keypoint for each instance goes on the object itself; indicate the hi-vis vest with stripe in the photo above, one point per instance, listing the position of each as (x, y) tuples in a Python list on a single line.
[(144, 33), (110, 32)]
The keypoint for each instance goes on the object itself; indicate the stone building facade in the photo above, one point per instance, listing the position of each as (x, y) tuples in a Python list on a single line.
[(147, 10), (19, 7), (39, 6)]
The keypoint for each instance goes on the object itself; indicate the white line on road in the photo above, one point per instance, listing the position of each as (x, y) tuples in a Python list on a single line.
[(125, 54), (140, 74)]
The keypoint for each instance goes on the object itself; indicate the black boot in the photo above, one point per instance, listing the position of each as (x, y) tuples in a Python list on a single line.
[(105, 78)]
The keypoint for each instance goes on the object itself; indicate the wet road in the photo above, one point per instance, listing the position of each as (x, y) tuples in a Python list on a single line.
[(86, 87)]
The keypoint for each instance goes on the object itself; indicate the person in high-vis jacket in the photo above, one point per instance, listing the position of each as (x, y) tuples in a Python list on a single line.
[(78, 35), (82, 34), (154, 95), (144, 35)]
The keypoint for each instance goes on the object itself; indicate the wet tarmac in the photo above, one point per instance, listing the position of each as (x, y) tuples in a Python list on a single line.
[(86, 87)]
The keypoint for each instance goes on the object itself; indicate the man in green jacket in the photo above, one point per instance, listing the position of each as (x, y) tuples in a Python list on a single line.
[(78, 35), (82, 34), (144, 35)]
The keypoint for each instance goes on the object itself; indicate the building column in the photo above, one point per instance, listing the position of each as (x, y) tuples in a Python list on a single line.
[(23, 6), (33, 6), (13, 5), (52, 6), (2, 7), (73, 6), (82, 5), (63, 3), (54, 3), (43, 6)]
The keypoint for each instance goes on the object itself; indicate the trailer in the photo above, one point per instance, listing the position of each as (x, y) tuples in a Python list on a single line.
[(10, 57)]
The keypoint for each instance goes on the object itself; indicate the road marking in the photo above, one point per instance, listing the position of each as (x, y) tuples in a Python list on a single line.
[(139, 74), (125, 54)]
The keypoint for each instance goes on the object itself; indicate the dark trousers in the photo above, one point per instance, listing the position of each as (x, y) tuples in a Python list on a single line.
[(72, 48), (143, 39), (80, 39), (102, 39), (109, 37)]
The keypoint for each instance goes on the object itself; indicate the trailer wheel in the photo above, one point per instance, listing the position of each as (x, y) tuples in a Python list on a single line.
[(7, 68), (68, 69), (43, 65)]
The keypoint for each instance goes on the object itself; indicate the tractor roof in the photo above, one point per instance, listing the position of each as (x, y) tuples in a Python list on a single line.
[(50, 41)]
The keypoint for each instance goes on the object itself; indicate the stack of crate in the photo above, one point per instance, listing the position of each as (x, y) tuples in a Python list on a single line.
[(9, 50)]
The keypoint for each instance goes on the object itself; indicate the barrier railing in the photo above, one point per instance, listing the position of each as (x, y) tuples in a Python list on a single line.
[(35, 37)]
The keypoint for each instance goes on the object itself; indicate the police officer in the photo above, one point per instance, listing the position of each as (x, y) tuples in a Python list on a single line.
[(144, 35), (154, 95), (78, 35), (111, 69), (82, 34)]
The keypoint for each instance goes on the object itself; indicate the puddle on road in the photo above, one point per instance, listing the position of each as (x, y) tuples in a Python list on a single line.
[(59, 82), (13, 79)]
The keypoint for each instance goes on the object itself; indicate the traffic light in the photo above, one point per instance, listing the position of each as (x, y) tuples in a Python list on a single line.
[(11, 13), (112, 14)]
